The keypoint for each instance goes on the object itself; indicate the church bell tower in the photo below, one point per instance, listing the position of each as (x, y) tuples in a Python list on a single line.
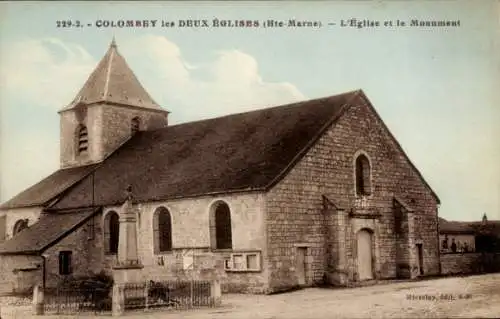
[(108, 110)]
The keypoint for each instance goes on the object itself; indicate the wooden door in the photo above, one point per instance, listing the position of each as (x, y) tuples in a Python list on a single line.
[(364, 240), (300, 267), (420, 251)]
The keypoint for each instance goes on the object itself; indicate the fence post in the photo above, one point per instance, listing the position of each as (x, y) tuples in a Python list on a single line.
[(215, 292), (147, 294), (192, 292), (38, 304), (118, 301)]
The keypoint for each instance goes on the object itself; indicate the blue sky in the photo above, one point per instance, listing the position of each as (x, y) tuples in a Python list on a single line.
[(436, 88)]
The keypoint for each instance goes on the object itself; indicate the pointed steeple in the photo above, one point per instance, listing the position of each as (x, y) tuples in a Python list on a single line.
[(113, 42), (112, 81)]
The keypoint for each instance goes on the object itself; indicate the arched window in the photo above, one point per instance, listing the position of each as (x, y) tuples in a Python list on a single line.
[(135, 125), (220, 226), (83, 139), (362, 172), (111, 232), (19, 226), (162, 227)]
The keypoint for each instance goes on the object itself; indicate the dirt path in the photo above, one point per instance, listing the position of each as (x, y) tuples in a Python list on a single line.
[(475, 296)]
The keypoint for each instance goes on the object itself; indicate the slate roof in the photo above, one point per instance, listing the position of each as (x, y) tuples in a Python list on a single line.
[(48, 188), (239, 152), (47, 231), (113, 82)]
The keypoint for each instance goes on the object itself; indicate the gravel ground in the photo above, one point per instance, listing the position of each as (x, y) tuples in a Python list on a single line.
[(460, 297)]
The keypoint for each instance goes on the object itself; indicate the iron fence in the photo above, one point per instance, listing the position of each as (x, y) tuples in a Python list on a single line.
[(73, 300), (168, 294)]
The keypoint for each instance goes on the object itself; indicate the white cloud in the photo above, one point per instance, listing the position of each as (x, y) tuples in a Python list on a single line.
[(47, 73), (231, 83)]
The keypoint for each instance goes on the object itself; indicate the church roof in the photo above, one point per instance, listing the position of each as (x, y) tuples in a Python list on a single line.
[(249, 151), (112, 81), (240, 152), (48, 188), (47, 231)]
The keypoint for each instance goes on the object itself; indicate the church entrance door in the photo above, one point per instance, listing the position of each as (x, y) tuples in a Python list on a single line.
[(364, 240), (301, 265), (420, 253)]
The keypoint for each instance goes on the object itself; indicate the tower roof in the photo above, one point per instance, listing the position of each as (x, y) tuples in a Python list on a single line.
[(113, 81)]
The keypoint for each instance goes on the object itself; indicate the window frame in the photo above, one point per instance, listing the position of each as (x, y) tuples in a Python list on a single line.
[(157, 231), (135, 125), (109, 248), (65, 262), (229, 261), (19, 226), (221, 221), (363, 184)]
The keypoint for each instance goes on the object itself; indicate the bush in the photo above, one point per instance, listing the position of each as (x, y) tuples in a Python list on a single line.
[(94, 288)]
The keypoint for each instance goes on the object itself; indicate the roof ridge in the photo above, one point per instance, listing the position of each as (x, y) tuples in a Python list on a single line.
[(113, 81), (110, 62), (291, 105)]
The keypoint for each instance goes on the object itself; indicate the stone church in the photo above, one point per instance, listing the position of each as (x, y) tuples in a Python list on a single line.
[(313, 192)]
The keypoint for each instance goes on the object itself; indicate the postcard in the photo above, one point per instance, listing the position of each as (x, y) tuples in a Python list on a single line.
[(250, 158)]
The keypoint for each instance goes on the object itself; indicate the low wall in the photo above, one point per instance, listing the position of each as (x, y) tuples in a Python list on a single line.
[(469, 263), (200, 264), (19, 273)]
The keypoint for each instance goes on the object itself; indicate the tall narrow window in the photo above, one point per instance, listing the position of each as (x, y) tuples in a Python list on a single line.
[(111, 232), (135, 125), (162, 227), (398, 217), (362, 172), (19, 226), (3, 228), (65, 266), (83, 139), (220, 226), (91, 229)]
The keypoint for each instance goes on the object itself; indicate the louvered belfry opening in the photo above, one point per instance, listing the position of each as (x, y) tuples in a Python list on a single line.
[(83, 140)]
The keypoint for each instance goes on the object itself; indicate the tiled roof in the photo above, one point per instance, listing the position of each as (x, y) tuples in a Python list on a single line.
[(113, 82), (240, 152), (49, 229), (48, 188)]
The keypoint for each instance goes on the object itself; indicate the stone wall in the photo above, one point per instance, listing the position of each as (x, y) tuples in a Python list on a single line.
[(87, 253), (15, 214), (459, 263), (116, 125), (19, 273), (191, 237), (190, 228), (294, 205), (108, 127), (469, 263), (69, 122)]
